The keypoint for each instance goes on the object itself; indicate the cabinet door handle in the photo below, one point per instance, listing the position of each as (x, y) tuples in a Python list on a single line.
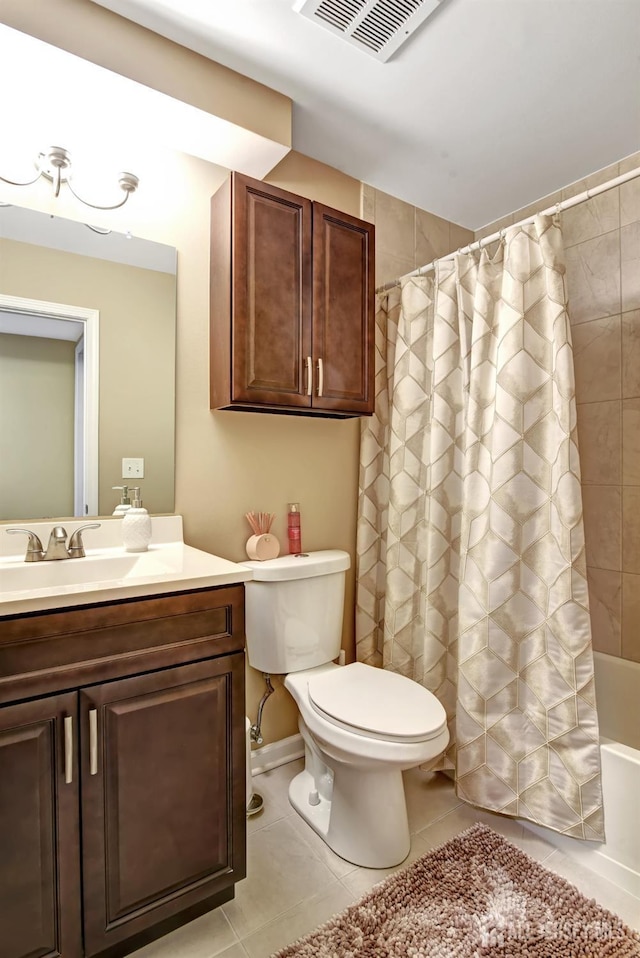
[(93, 741), (320, 377), (68, 749), (309, 366)]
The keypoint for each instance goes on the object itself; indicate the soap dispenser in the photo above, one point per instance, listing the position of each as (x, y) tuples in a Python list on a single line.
[(136, 525), (125, 502)]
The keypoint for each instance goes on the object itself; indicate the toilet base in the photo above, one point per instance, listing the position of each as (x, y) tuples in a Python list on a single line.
[(364, 822)]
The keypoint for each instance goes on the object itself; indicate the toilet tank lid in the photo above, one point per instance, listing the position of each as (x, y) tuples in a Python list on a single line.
[(302, 566)]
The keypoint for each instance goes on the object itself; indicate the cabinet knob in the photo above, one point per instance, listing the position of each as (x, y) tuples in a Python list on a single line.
[(320, 377), (309, 366)]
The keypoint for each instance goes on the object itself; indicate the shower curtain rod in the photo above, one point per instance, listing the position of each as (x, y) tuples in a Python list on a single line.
[(556, 208)]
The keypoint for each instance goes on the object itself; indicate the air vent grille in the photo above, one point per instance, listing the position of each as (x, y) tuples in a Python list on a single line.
[(339, 13), (386, 18), (379, 27)]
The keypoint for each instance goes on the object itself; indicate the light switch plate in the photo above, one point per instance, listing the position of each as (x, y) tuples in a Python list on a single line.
[(133, 468)]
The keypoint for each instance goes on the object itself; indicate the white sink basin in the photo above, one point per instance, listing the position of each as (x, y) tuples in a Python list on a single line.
[(108, 572), (21, 576)]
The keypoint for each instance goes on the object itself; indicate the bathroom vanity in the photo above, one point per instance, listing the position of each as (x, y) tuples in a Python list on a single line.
[(122, 758)]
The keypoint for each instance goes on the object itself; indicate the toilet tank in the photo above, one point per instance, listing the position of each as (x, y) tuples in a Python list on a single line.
[(293, 610)]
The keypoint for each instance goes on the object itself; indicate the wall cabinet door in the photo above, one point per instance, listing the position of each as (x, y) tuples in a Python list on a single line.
[(162, 796), (271, 294), (39, 845), (260, 295), (292, 323), (343, 319)]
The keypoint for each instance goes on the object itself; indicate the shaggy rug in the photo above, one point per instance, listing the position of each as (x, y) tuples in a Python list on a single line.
[(477, 896)]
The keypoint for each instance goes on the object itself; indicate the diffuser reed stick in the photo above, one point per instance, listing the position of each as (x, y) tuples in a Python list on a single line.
[(260, 522)]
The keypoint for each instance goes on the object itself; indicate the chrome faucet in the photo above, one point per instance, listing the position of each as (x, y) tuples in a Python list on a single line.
[(57, 547)]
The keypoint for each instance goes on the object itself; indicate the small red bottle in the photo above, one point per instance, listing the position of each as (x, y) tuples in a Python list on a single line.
[(293, 528)]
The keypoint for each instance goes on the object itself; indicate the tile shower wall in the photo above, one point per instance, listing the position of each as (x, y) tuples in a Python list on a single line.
[(602, 243), (406, 236)]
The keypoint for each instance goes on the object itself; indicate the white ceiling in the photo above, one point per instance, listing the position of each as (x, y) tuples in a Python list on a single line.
[(489, 106)]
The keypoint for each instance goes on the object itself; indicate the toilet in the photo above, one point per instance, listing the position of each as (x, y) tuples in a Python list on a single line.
[(361, 726)]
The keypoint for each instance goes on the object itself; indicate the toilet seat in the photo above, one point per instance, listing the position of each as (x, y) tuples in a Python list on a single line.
[(376, 703)]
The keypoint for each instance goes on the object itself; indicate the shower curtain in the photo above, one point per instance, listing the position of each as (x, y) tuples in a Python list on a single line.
[(471, 562)]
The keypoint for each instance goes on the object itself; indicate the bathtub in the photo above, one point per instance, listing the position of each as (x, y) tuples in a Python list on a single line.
[(618, 697)]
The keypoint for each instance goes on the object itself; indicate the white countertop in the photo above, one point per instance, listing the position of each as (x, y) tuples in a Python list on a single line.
[(107, 572)]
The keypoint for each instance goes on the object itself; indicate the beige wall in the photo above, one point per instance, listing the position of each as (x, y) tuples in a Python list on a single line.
[(602, 241), (320, 182), (33, 429), (137, 358), (406, 236)]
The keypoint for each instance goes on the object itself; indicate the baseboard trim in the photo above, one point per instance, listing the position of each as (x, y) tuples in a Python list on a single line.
[(276, 753)]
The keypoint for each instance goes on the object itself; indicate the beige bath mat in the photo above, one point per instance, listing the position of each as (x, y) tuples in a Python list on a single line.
[(477, 896)]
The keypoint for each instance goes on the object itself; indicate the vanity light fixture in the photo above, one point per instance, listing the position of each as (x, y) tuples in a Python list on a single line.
[(54, 164)]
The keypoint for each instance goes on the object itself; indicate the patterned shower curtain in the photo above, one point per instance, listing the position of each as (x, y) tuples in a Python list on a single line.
[(471, 561)]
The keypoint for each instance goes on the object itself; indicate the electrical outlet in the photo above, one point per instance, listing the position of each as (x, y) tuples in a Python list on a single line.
[(133, 468)]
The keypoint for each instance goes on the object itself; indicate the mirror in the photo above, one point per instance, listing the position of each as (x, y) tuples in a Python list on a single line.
[(87, 367)]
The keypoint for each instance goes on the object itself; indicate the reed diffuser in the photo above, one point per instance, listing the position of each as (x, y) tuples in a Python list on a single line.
[(262, 544), (260, 522)]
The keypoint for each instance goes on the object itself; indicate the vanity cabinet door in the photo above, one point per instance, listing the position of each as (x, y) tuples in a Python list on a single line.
[(39, 844), (163, 807)]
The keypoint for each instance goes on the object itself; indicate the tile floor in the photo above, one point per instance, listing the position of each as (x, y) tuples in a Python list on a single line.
[(295, 882)]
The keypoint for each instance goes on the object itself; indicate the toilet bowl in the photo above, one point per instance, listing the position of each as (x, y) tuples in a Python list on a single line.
[(361, 726), (351, 790)]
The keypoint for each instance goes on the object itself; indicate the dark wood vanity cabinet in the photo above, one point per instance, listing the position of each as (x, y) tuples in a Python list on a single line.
[(292, 304), (122, 799)]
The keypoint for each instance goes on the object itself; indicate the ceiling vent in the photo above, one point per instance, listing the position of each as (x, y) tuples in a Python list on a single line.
[(378, 27)]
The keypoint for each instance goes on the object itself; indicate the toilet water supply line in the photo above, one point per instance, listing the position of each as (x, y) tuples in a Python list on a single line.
[(256, 730)]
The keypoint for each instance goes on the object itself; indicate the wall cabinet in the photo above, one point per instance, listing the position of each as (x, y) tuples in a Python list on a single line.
[(122, 799), (292, 304)]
